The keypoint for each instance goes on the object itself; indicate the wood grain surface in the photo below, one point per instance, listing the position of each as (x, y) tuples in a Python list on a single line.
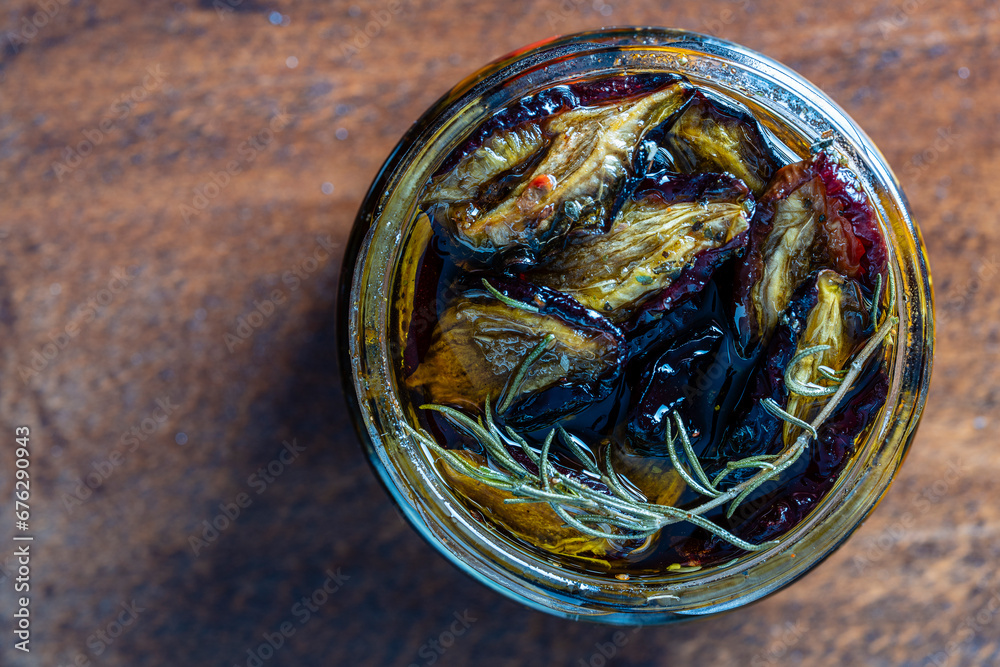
[(166, 168)]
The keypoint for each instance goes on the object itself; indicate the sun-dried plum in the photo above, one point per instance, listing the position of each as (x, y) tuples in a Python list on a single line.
[(480, 342), (812, 216), (588, 155), (681, 377), (550, 101), (754, 430), (838, 321), (826, 310), (482, 172), (649, 247), (709, 137), (673, 187), (780, 250), (853, 239)]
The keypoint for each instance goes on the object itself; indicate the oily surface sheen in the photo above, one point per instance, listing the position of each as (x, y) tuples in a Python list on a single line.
[(914, 584)]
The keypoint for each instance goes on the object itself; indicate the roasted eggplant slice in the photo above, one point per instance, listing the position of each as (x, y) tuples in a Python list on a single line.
[(709, 137), (649, 247), (574, 186), (484, 339)]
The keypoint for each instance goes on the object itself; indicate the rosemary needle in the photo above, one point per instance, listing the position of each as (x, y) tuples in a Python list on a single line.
[(513, 303), (522, 371)]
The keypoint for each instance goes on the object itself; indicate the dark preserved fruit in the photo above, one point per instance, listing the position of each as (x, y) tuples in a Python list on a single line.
[(648, 248), (710, 138), (482, 339), (583, 159)]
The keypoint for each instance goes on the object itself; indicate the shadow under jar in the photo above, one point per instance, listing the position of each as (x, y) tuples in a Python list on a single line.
[(635, 326)]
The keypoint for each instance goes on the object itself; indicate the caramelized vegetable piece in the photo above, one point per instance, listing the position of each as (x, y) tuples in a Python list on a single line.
[(472, 177), (673, 187), (557, 99), (648, 248), (814, 215), (853, 240), (481, 342), (574, 186), (780, 253), (755, 430), (655, 478), (534, 523), (838, 320), (708, 137)]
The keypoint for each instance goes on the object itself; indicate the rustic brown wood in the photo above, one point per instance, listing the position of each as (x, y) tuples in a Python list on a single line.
[(916, 585)]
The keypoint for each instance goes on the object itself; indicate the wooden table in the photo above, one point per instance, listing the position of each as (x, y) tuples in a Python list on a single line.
[(167, 168)]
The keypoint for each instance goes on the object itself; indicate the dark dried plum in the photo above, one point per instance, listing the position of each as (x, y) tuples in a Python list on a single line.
[(650, 246), (550, 101), (575, 184), (826, 310), (853, 238), (754, 430), (710, 137), (680, 377), (470, 181), (813, 216), (838, 321), (480, 342), (780, 250), (674, 187)]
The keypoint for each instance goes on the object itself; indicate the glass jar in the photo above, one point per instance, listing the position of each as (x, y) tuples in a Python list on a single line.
[(797, 114)]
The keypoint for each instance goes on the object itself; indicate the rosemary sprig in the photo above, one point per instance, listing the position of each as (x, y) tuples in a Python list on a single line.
[(876, 297), (513, 303), (831, 374), (810, 388), (522, 370), (621, 515), (702, 485), (772, 406), (762, 461), (579, 451)]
